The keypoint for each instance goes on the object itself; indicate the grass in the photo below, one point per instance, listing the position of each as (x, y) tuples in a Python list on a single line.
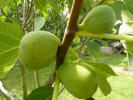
[(122, 85)]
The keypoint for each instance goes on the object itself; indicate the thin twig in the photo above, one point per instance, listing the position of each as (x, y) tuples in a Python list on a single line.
[(18, 14), (101, 2), (114, 55), (61, 90), (5, 92), (7, 17), (24, 14), (80, 49), (59, 23), (29, 10), (84, 52), (27, 22)]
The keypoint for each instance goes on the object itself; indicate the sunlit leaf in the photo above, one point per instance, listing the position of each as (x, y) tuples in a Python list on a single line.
[(54, 5), (10, 36), (103, 72), (3, 2), (38, 23), (72, 55)]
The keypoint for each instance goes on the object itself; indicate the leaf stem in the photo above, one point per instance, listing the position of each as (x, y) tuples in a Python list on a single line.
[(104, 35), (56, 87), (37, 78), (24, 85)]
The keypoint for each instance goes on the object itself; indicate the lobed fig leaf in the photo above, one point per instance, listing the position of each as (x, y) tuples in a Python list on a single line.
[(38, 49), (100, 19), (78, 78), (126, 30)]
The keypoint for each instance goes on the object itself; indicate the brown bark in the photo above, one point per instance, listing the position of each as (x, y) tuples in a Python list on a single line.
[(68, 37)]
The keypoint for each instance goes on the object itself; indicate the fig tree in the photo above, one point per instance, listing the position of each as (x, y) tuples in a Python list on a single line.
[(78, 78), (38, 49), (100, 19)]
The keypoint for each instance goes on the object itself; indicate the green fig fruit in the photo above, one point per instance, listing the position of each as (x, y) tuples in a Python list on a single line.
[(38, 49), (100, 19), (78, 78)]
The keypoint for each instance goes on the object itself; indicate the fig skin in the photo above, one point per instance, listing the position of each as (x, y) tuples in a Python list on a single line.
[(38, 49), (100, 19), (78, 78)]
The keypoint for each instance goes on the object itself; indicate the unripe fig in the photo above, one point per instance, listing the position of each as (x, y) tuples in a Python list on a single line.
[(100, 19), (78, 78), (38, 49)]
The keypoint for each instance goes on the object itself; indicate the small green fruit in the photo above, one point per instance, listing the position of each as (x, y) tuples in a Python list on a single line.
[(100, 19), (38, 49), (78, 78)]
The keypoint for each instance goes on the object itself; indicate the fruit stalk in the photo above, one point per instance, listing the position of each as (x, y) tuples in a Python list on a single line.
[(56, 88), (103, 35)]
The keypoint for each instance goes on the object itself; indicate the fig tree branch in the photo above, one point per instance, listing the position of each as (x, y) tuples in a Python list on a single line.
[(18, 14), (69, 32), (68, 37)]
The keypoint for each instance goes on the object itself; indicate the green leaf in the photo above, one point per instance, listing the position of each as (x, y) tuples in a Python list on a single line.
[(72, 55), (15, 20), (104, 85), (103, 72), (126, 16), (40, 4), (54, 5), (103, 69), (69, 2), (128, 45), (109, 2), (41, 93), (3, 2), (93, 48), (128, 5), (43, 6), (118, 6), (38, 23), (127, 29), (10, 36)]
